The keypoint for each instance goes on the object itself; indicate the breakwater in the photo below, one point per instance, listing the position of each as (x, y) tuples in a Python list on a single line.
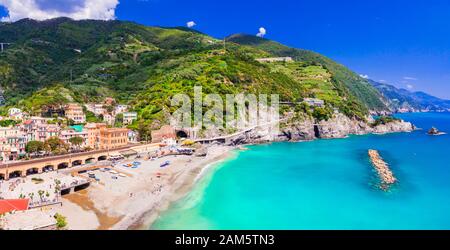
[(385, 174)]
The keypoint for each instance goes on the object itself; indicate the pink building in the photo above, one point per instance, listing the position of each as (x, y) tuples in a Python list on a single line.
[(12, 143), (38, 130)]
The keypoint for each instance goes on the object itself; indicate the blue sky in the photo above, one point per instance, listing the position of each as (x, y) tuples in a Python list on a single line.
[(405, 43)]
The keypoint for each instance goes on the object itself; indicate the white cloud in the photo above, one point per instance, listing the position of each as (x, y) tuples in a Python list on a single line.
[(191, 24), (47, 9), (364, 76), (262, 32), (409, 86), (409, 78)]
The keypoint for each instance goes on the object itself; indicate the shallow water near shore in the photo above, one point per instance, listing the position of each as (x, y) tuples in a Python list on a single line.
[(326, 184)]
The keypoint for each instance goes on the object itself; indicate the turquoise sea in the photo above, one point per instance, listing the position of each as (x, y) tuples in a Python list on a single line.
[(326, 184)]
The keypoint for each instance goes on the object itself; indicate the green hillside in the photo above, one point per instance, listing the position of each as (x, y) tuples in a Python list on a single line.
[(58, 61), (345, 81)]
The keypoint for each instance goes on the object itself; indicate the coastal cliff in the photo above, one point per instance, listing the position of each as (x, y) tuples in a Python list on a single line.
[(339, 126)]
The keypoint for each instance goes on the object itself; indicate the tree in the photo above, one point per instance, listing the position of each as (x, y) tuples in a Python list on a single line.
[(55, 145), (34, 147), (61, 221), (109, 108), (41, 194), (144, 131), (91, 117), (70, 122), (76, 141), (8, 123), (119, 121), (322, 114), (383, 120)]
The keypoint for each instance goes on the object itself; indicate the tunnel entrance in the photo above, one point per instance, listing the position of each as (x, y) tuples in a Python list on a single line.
[(182, 135)]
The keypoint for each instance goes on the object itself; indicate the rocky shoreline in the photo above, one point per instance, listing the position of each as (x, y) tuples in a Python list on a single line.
[(340, 126)]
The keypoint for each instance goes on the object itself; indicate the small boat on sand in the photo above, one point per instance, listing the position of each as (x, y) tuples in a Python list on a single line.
[(165, 164)]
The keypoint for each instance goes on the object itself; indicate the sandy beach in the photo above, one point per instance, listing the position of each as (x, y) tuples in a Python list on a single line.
[(136, 201)]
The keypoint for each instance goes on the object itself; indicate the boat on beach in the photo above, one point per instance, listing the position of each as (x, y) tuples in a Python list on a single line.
[(165, 164)]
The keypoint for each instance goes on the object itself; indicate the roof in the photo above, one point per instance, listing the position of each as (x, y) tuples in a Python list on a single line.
[(77, 128), (7, 206), (128, 152)]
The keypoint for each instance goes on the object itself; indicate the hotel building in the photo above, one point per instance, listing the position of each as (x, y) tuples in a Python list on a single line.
[(75, 112)]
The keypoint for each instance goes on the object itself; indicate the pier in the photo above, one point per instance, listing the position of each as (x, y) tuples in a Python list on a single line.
[(384, 172)]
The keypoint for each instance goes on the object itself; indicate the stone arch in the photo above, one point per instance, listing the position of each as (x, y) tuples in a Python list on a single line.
[(102, 158), (15, 174), (63, 165), (90, 160), (77, 163), (48, 168), (81, 187), (32, 171), (65, 191)]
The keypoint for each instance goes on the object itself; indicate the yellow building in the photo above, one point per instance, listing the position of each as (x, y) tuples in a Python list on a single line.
[(75, 112), (111, 138)]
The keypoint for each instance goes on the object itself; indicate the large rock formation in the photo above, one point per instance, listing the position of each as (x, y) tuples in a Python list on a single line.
[(340, 126)]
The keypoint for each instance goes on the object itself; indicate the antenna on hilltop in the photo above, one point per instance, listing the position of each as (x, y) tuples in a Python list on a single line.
[(2, 46)]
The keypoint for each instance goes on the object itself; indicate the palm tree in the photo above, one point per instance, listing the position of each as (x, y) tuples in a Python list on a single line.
[(41, 194)]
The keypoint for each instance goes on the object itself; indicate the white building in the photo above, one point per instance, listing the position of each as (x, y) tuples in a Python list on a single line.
[(129, 117), (275, 59), (121, 109), (108, 119), (314, 102), (66, 135), (15, 113), (96, 108), (132, 136)]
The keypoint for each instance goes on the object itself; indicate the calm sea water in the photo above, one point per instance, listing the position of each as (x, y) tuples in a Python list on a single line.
[(326, 184)]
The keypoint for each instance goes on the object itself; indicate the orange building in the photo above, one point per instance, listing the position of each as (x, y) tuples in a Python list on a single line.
[(102, 137), (111, 138)]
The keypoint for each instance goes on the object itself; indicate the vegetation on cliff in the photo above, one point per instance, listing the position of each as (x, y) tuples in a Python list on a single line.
[(60, 60)]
